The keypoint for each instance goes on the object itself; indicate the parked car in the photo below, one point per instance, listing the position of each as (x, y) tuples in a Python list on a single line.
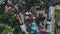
[(46, 9), (23, 28), (27, 16), (34, 28), (49, 27), (48, 32), (42, 26), (49, 15), (51, 10)]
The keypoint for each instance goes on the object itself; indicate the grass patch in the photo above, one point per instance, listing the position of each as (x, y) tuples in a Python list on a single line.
[(57, 11), (57, 18), (57, 14)]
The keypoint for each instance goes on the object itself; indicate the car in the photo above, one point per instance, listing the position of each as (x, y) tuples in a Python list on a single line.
[(47, 8), (28, 13), (34, 28), (49, 27), (23, 28), (48, 17), (51, 9), (42, 26), (50, 13)]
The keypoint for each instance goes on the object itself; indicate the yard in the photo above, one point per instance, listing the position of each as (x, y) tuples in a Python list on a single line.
[(57, 14), (57, 18)]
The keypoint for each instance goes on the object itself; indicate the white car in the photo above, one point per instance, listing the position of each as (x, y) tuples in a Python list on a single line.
[(27, 13), (23, 28), (50, 13), (51, 10), (49, 26)]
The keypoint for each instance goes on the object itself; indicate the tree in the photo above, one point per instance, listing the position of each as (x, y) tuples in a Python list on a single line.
[(10, 21), (31, 3)]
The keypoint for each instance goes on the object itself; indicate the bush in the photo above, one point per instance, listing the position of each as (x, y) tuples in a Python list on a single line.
[(4, 29), (10, 21)]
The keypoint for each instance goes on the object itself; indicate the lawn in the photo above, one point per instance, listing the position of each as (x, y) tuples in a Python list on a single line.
[(57, 11), (57, 18), (57, 14)]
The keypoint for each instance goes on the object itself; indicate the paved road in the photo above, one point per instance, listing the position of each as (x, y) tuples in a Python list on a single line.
[(53, 20)]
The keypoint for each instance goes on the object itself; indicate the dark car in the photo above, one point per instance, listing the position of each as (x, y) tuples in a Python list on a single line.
[(48, 17), (49, 14)]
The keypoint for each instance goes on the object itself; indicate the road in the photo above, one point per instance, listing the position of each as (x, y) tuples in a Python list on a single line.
[(53, 20)]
